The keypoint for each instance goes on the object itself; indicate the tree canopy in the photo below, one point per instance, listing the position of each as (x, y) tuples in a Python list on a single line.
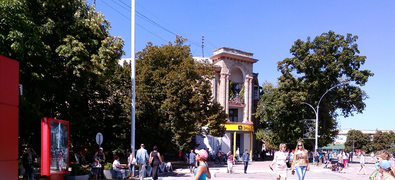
[(316, 66), (66, 57), (361, 141), (173, 98)]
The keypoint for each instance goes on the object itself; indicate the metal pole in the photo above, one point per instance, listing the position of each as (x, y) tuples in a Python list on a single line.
[(316, 111), (133, 78), (316, 127)]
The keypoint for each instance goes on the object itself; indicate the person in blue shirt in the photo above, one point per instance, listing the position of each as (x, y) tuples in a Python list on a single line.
[(192, 161), (246, 158), (141, 160)]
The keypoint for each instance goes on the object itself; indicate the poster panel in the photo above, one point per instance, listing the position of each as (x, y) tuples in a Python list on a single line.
[(55, 146)]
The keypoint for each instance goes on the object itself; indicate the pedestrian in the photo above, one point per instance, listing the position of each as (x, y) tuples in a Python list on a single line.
[(246, 158), (202, 172), (192, 161), (385, 169), (340, 161), (345, 158), (291, 156), (362, 163), (316, 160), (372, 156), (83, 154), (301, 161), (230, 162), (280, 162), (95, 171), (131, 164), (238, 154), (27, 164), (102, 158), (155, 160), (142, 159)]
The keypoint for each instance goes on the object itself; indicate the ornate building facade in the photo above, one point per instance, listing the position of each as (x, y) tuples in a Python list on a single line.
[(236, 88)]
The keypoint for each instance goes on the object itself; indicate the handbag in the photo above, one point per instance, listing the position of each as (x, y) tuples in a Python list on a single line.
[(96, 165), (134, 161)]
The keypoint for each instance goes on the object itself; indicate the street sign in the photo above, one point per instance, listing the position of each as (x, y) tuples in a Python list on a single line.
[(99, 138)]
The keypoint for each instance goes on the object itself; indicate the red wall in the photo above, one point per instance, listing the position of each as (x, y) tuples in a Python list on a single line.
[(9, 97)]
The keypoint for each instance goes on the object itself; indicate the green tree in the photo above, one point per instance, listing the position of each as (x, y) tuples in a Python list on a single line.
[(173, 98), (65, 53), (316, 66), (389, 138), (379, 142), (360, 140)]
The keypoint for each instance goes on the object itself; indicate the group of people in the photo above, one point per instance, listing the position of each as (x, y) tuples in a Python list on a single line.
[(141, 160)]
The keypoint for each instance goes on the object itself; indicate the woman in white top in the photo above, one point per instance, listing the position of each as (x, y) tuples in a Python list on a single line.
[(362, 162), (280, 162)]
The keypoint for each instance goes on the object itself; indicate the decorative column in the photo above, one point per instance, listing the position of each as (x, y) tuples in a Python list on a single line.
[(247, 100), (227, 94), (250, 95), (234, 143), (223, 91)]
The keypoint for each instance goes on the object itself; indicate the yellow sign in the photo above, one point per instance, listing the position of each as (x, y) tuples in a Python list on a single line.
[(239, 127)]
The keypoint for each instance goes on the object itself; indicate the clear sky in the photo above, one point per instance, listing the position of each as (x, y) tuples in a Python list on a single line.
[(268, 29)]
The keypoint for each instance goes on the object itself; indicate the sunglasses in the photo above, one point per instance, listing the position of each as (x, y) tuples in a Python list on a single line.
[(299, 145)]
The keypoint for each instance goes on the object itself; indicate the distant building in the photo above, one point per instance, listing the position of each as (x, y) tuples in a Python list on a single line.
[(236, 88)]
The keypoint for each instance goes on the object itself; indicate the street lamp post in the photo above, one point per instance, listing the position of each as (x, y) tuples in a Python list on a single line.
[(316, 110)]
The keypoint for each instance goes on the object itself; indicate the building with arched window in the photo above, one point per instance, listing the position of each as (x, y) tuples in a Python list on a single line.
[(236, 88)]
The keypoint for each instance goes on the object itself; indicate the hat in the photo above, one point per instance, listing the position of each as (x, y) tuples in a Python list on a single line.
[(202, 153), (101, 148), (385, 164)]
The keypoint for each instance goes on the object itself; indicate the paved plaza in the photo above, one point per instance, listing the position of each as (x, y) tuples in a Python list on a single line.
[(260, 170)]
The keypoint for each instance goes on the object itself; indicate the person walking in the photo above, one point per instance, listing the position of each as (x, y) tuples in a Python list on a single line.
[(345, 158), (362, 163), (131, 164), (230, 162), (142, 159), (95, 171), (27, 164), (155, 160), (280, 162), (246, 158), (238, 154), (301, 161), (102, 158), (203, 170), (192, 161)]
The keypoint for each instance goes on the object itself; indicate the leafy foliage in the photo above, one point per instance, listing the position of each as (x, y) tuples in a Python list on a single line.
[(316, 66), (77, 169), (173, 98), (66, 56), (360, 140)]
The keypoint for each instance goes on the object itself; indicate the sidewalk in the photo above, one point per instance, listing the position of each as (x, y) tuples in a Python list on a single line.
[(260, 170)]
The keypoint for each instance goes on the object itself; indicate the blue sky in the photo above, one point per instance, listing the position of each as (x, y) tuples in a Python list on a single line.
[(268, 29)]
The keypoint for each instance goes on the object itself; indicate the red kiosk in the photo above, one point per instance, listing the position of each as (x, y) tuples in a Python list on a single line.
[(54, 148), (9, 101)]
